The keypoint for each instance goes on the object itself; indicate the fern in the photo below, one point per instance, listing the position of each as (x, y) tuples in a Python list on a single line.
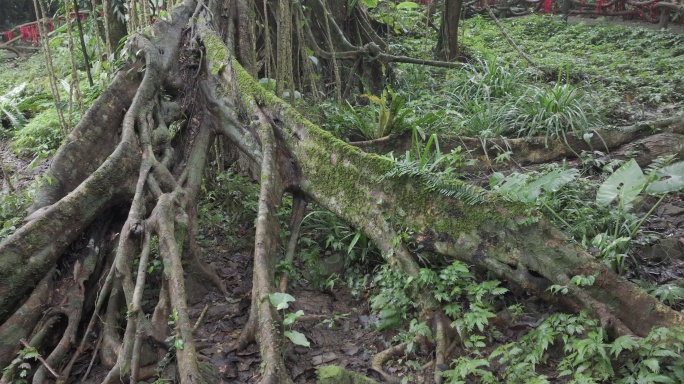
[(10, 106), (657, 164), (437, 181)]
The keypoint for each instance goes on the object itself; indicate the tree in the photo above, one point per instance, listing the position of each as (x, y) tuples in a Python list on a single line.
[(120, 180), (447, 44)]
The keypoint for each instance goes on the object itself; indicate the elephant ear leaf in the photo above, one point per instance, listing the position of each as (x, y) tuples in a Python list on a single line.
[(623, 186), (668, 179)]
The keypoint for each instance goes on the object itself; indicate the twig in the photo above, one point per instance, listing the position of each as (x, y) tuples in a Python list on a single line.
[(92, 359), (201, 317), (40, 358), (510, 40)]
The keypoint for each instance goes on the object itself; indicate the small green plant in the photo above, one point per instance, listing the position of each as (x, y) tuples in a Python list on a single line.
[(10, 107), (552, 112), (608, 223), (489, 79), (40, 137), (485, 117), (577, 349), (324, 236), (280, 301), (332, 322), (438, 172), (670, 294), (175, 340), (13, 205), (386, 115), (470, 304), (20, 368)]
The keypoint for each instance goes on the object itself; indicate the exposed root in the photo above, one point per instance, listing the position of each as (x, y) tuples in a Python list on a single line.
[(441, 340), (298, 212), (381, 358), (166, 216), (92, 358), (25, 318), (265, 244)]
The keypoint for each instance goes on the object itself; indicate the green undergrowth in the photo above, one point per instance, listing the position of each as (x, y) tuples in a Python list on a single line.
[(591, 76), (13, 206), (28, 114), (625, 63), (227, 209), (500, 340)]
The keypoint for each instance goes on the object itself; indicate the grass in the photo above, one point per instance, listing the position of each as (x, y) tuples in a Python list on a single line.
[(623, 63)]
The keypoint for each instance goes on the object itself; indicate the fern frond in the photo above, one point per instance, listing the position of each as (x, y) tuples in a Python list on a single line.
[(437, 181), (658, 163), (468, 193)]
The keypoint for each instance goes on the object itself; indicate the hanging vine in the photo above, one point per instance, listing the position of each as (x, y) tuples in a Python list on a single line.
[(74, 86), (45, 44)]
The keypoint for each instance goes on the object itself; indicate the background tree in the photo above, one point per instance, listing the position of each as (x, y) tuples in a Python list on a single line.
[(447, 42)]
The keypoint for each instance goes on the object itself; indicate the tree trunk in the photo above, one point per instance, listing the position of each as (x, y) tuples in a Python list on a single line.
[(447, 42), (120, 161)]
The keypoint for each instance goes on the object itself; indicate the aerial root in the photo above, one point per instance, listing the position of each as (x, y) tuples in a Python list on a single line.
[(165, 221), (298, 212), (441, 336), (263, 322)]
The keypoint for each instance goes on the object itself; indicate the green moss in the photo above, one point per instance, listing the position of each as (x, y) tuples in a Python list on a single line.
[(346, 180), (332, 374)]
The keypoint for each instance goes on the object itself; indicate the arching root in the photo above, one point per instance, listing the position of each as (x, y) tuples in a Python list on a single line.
[(381, 358)]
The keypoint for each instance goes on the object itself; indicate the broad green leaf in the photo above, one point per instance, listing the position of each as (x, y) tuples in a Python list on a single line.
[(555, 180), (291, 317), (313, 59), (623, 186), (297, 338), (670, 179), (407, 5), (280, 300), (623, 343), (267, 83)]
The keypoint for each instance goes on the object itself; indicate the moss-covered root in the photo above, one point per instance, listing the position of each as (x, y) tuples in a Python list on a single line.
[(381, 358), (332, 374)]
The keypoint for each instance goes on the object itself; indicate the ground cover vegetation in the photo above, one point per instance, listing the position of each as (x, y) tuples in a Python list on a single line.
[(483, 254)]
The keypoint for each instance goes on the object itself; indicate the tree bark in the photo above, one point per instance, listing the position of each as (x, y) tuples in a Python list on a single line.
[(447, 43)]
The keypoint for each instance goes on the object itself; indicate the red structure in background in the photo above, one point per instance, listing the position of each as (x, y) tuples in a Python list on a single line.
[(29, 31), (602, 7)]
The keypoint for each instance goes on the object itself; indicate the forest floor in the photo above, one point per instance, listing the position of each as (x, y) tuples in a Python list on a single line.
[(340, 326)]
